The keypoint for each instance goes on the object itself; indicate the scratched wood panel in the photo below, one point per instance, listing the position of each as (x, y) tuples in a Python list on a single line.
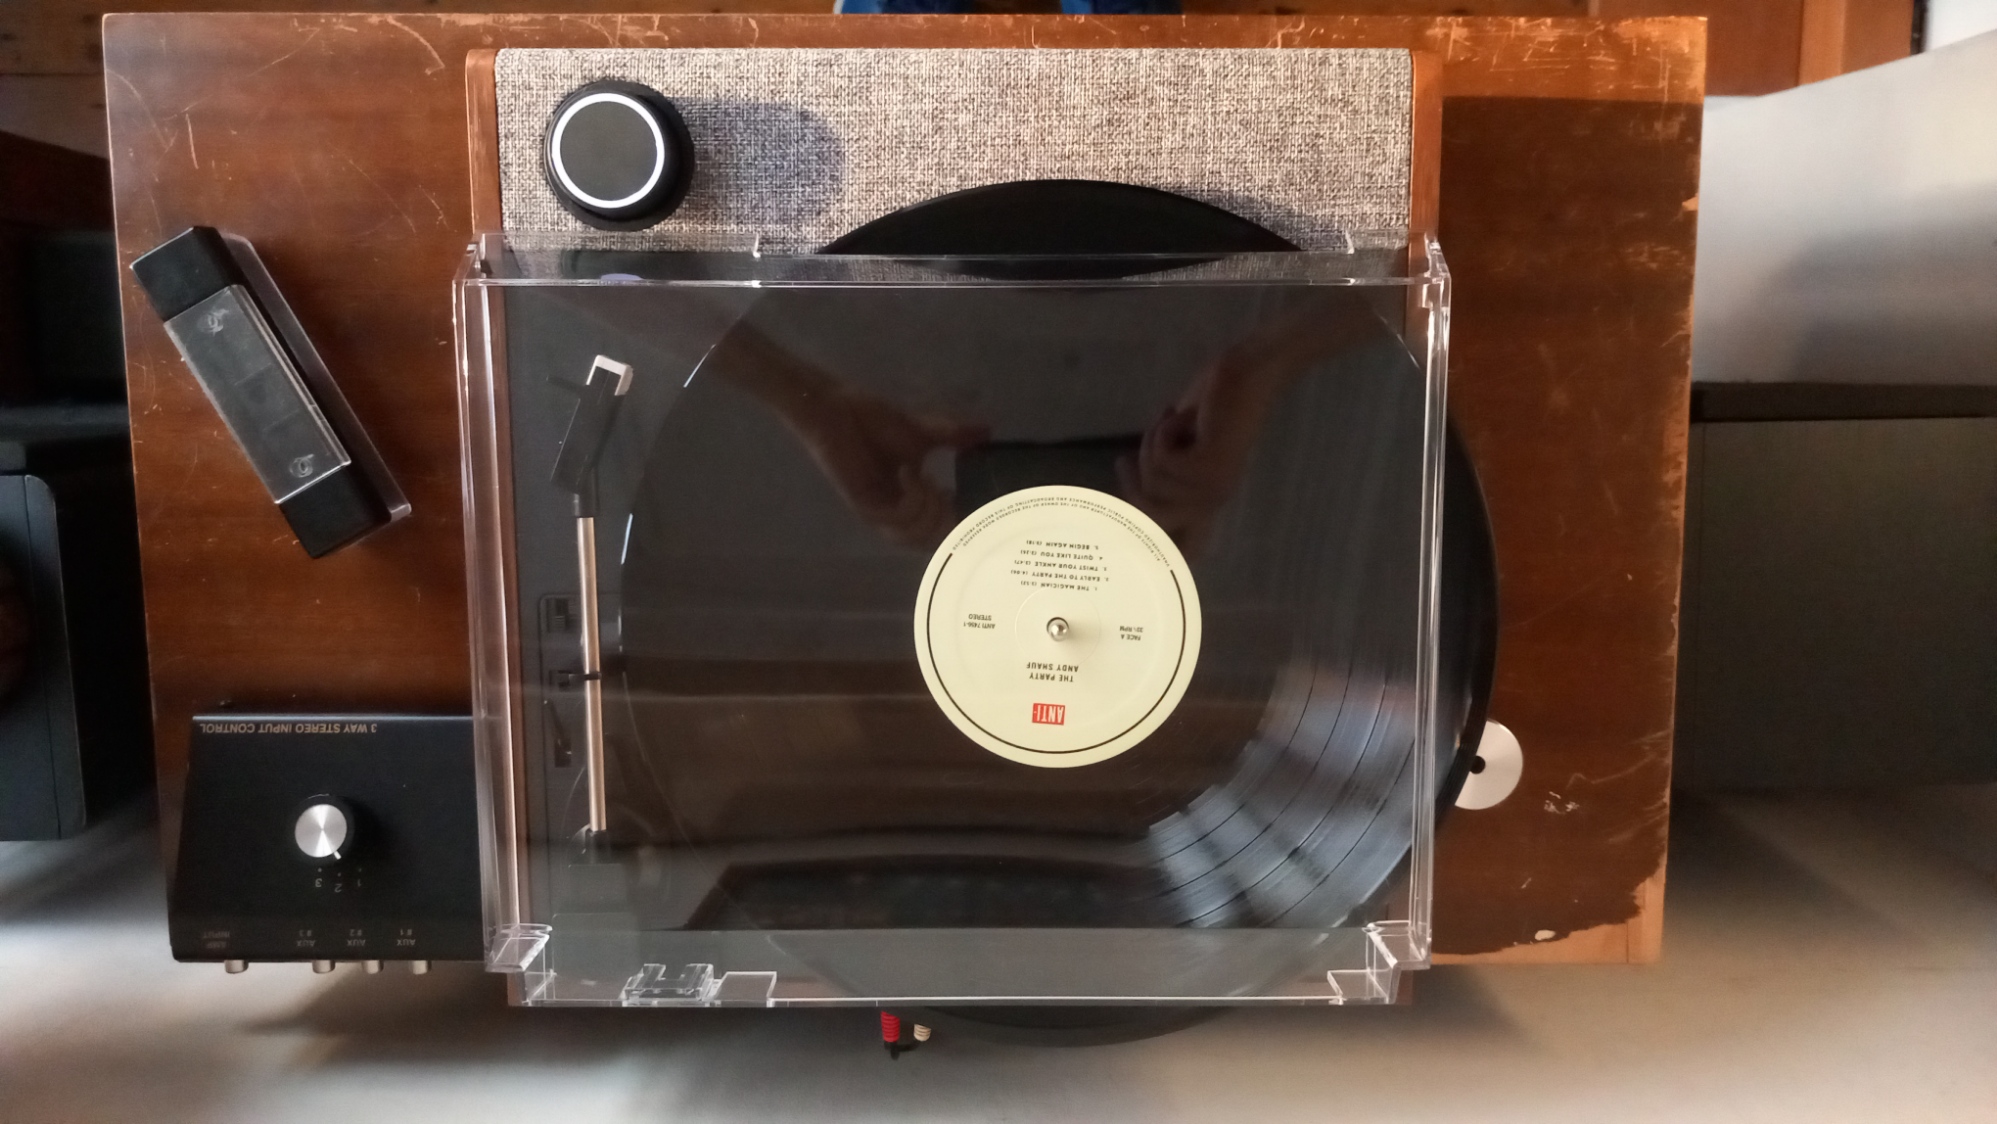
[(1569, 172), (1751, 47), (1840, 36), (62, 36), (1755, 44)]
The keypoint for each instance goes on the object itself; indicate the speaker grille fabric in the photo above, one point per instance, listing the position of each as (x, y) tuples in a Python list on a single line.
[(795, 147)]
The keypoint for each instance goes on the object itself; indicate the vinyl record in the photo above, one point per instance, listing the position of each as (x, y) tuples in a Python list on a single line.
[(774, 707)]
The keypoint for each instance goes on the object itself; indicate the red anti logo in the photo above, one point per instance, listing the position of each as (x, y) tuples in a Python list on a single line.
[(1050, 714)]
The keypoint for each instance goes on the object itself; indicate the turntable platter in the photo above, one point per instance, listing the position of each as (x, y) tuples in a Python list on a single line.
[(775, 688)]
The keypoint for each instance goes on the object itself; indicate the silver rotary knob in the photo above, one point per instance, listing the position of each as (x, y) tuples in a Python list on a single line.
[(323, 829)]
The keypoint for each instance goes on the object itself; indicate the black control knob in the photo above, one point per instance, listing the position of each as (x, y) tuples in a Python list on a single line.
[(324, 829), (617, 155)]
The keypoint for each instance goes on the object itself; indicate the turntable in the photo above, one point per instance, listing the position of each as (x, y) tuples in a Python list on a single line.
[(1044, 588), (748, 787), (1041, 340)]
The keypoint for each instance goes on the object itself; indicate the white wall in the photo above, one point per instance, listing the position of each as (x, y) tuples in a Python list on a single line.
[(1951, 21), (1848, 228)]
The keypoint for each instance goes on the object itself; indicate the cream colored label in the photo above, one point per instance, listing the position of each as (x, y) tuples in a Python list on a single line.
[(1057, 626)]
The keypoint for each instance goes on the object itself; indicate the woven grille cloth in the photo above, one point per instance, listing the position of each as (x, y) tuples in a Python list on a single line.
[(795, 147)]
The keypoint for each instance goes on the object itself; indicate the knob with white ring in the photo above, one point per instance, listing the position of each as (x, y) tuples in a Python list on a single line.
[(617, 155)]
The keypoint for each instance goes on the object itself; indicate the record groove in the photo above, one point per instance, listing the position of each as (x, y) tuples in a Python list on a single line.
[(1274, 796)]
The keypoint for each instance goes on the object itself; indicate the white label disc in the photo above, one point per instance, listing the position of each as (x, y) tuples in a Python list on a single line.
[(1057, 626)]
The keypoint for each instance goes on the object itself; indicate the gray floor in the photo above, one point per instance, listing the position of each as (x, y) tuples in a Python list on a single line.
[(1826, 959)]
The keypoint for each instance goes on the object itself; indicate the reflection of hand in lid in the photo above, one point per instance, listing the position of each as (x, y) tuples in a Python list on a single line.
[(872, 451), (869, 448), (1191, 459)]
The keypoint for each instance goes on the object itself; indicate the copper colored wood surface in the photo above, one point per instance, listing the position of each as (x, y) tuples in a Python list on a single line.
[(482, 139), (1569, 169), (1569, 379), (51, 37), (1762, 46), (1876, 32), (1752, 46), (1755, 46), (1425, 149), (1839, 36), (64, 36)]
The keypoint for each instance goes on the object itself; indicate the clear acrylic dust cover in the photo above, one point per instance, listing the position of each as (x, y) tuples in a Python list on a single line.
[(968, 630)]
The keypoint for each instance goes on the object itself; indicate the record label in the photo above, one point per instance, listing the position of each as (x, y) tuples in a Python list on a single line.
[(1057, 626)]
